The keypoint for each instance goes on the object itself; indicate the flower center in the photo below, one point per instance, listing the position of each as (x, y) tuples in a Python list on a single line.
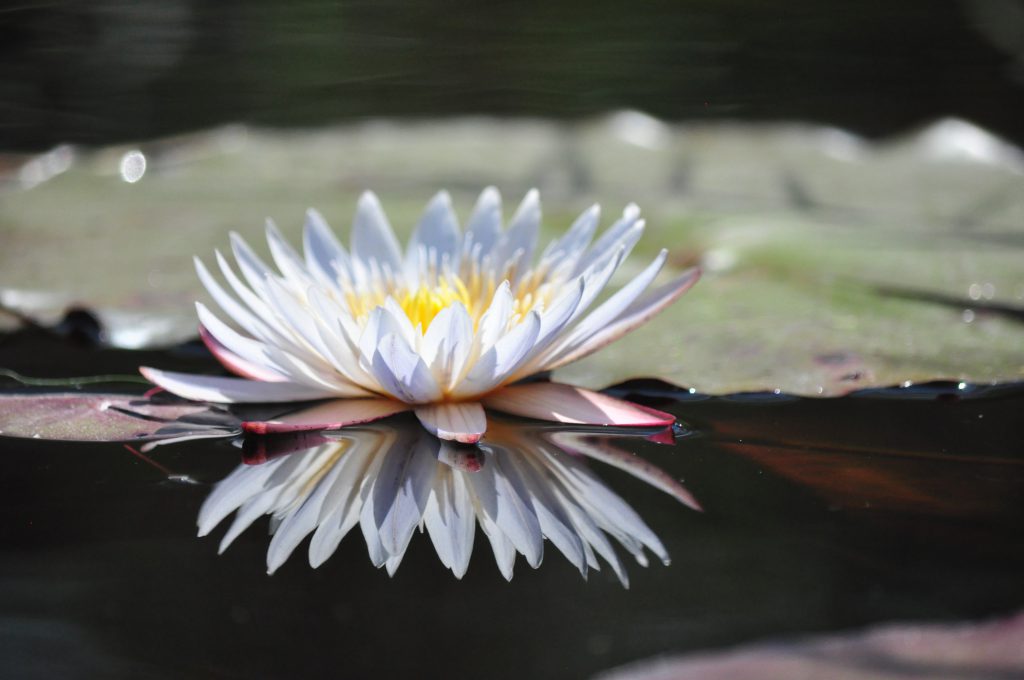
[(425, 301), (422, 304)]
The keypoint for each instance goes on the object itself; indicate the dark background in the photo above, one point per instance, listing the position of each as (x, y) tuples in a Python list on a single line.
[(108, 70)]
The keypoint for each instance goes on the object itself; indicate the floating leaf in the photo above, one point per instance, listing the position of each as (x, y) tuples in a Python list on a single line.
[(832, 263), (102, 417)]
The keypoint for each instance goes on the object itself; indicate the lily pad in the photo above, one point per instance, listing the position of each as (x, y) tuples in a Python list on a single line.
[(832, 263), (76, 416)]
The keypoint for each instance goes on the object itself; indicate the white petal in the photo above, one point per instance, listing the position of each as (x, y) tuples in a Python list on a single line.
[(611, 308), (591, 533), (504, 551), (637, 314), (242, 316), (484, 225), (251, 351), (231, 492), (278, 334), (555, 523), (606, 452), (253, 268), (251, 510), (494, 321), (564, 253), (521, 236), (237, 364), (348, 494), (371, 533), (612, 513), (297, 317), (287, 260), (484, 498), (567, 404), (496, 364), (437, 231), (402, 373), (464, 530), (401, 321), (341, 350), (595, 279), (463, 422), (372, 237), (451, 522), (626, 230), (401, 491), (512, 513), (231, 390), (447, 343), (324, 253), (298, 524), (434, 519), (557, 316)]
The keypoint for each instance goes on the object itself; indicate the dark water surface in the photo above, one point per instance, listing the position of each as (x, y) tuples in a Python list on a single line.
[(819, 515), (106, 71)]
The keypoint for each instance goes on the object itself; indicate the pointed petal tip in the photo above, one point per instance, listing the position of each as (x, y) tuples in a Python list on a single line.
[(568, 404), (255, 427)]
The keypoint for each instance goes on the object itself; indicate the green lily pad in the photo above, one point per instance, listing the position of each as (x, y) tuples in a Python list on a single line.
[(831, 263)]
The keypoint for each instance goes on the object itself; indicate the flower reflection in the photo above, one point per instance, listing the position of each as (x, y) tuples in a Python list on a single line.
[(525, 483)]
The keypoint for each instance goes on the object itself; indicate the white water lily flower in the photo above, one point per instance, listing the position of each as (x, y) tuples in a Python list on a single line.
[(444, 328), (390, 479)]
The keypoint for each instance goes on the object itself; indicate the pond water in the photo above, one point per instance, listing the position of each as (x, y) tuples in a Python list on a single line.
[(817, 515), (850, 180)]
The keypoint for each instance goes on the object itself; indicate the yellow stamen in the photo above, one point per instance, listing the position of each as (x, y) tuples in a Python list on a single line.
[(423, 303)]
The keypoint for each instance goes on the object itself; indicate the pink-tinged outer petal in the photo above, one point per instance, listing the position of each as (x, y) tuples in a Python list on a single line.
[(235, 363), (463, 422), (567, 404), (231, 390), (332, 415)]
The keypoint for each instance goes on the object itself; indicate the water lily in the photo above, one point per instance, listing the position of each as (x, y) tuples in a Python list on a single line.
[(447, 327), (388, 479)]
